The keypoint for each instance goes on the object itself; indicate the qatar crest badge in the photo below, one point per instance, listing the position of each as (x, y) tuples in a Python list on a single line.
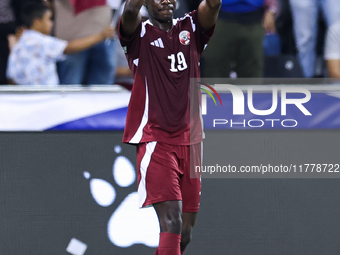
[(184, 37)]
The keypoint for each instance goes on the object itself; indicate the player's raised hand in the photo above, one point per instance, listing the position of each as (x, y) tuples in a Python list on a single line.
[(107, 32), (131, 17), (208, 13)]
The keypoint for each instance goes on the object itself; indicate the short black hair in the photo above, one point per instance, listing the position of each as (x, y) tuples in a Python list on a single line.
[(33, 11)]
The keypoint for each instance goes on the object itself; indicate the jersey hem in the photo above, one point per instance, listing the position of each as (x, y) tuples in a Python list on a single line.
[(151, 202), (164, 141), (190, 209)]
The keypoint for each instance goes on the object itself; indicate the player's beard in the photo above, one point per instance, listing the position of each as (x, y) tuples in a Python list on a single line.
[(165, 19)]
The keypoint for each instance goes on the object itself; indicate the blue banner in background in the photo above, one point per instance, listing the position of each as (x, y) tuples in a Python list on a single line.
[(111, 120), (63, 111), (324, 109), (107, 111)]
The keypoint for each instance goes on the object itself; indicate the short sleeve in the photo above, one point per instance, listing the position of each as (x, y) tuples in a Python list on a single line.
[(332, 44), (53, 47), (202, 37), (131, 46)]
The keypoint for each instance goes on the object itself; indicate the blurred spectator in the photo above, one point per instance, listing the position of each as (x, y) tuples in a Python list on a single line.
[(272, 44), (10, 30), (305, 20), (93, 66), (33, 59), (284, 27), (18, 6), (332, 51), (7, 31), (237, 43)]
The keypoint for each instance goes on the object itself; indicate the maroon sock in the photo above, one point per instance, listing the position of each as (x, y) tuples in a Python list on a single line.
[(169, 244)]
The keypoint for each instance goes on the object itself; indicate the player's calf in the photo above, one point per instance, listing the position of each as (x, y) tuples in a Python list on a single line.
[(188, 223), (169, 244), (185, 239), (170, 220)]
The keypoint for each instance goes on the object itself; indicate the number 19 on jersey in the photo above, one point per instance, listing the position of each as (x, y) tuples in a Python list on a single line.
[(181, 63)]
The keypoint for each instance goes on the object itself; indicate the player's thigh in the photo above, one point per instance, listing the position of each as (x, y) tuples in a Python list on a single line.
[(158, 174), (191, 181)]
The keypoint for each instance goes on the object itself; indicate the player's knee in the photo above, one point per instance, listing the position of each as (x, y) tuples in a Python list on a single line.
[(170, 216), (172, 223)]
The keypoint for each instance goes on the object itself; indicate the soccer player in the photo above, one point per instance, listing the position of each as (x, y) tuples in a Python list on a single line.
[(163, 117)]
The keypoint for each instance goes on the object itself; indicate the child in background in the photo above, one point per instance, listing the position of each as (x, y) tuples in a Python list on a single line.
[(33, 59)]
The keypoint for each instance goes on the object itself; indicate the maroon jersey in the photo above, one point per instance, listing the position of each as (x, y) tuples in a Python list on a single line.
[(161, 107)]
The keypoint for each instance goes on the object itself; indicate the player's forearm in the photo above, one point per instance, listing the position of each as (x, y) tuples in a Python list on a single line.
[(131, 17), (214, 4), (83, 43), (208, 13), (132, 8)]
